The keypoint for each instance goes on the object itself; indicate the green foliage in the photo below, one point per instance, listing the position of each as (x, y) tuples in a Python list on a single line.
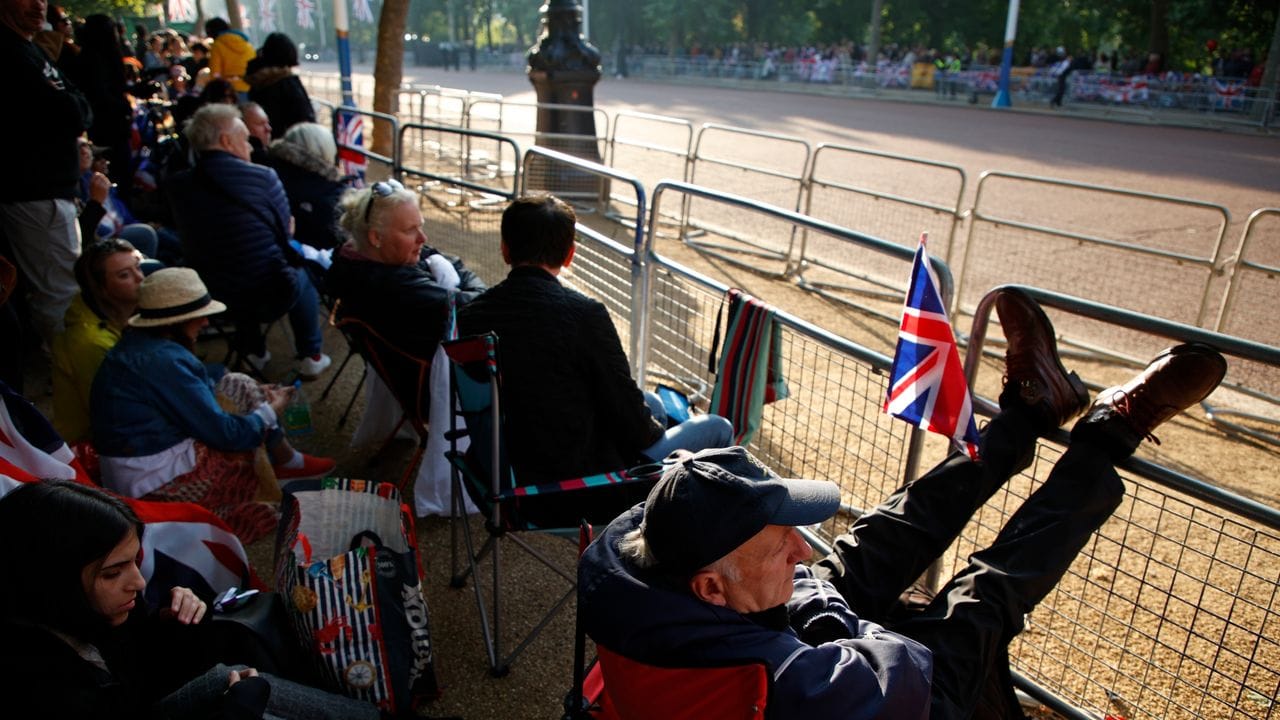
[(85, 8)]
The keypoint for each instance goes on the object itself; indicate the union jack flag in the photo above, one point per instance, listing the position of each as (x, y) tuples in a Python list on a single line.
[(351, 160), (305, 9), (184, 544), (182, 11), (927, 386), (267, 15), (362, 11), (1228, 95)]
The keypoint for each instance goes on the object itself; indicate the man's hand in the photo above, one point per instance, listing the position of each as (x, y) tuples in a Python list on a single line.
[(184, 606), (277, 397), (238, 675), (99, 188)]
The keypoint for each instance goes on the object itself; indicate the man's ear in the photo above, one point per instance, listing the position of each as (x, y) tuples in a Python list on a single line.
[(506, 254), (708, 586), (569, 258)]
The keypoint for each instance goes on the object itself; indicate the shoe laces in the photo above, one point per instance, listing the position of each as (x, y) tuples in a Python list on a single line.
[(1126, 408)]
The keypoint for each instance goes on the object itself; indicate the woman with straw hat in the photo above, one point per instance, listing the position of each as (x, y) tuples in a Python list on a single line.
[(156, 420)]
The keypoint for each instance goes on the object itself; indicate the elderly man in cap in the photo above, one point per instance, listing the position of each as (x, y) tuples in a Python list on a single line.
[(707, 570)]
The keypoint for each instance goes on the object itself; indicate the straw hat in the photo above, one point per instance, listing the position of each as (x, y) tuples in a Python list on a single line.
[(171, 296)]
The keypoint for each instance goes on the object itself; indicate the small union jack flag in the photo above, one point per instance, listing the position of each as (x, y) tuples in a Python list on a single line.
[(351, 159), (1228, 95), (305, 9), (362, 11), (927, 386)]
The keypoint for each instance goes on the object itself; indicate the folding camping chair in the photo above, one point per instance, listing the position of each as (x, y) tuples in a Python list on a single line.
[(410, 386), (619, 688), (484, 473)]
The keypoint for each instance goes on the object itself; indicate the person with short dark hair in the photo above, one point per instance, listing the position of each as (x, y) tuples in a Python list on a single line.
[(80, 641), (708, 570), (571, 405)]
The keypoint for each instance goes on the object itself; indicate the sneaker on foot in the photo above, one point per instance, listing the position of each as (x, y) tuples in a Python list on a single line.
[(312, 468), (1034, 374), (310, 367), (1175, 380), (258, 362)]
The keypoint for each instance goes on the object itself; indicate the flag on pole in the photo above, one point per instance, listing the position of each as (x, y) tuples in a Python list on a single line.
[(267, 15), (182, 11), (351, 159), (927, 386), (305, 10), (362, 11)]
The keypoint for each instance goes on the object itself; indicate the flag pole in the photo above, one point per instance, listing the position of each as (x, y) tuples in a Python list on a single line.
[(1001, 100), (342, 27)]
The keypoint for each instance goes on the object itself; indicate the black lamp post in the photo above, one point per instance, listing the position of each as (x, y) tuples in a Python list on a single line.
[(564, 69)]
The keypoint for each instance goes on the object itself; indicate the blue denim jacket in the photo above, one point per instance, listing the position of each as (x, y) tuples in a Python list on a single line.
[(151, 394)]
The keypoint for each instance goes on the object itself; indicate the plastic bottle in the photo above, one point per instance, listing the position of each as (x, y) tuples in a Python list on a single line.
[(297, 414)]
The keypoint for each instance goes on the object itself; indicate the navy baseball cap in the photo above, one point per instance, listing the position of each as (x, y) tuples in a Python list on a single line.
[(709, 503)]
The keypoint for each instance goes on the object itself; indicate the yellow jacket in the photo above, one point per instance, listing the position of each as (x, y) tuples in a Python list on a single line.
[(230, 53), (77, 353)]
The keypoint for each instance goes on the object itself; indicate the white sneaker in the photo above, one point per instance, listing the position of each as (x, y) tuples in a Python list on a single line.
[(312, 366), (258, 362)]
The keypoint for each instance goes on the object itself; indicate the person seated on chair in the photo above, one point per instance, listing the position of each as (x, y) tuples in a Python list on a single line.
[(109, 273), (707, 570), (389, 278), (80, 641), (234, 221), (571, 406), (157, 424), (303, 159)]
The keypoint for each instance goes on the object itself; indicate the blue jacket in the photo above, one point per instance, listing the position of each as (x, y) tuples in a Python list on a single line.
[(874, 673), (151, 394), (233, 218)]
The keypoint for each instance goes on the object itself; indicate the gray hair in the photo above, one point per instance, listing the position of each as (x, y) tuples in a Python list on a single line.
[(355, 206), (313, 138), (634, 548), (206, 126)]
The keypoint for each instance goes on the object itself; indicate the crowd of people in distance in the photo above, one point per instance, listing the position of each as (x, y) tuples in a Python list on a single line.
[(700, 564)]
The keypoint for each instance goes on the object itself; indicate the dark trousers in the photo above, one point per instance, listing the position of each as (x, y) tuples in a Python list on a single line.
[(970, 622)]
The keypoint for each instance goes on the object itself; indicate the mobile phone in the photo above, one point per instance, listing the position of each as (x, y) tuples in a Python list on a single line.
[(675, 403)]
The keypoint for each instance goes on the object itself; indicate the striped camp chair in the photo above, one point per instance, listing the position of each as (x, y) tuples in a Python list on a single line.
[(483, 472)]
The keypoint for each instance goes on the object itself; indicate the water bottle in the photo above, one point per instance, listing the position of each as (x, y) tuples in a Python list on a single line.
[(297, 414)]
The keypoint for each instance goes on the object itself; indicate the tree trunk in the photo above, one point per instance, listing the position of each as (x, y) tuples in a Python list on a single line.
[(199, 28), (235, 19), (1265, 108), (873, 32), (1159, 39), (488, 24), (388, 70)]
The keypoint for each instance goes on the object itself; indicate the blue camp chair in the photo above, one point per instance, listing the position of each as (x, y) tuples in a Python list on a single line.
[(484, 474)]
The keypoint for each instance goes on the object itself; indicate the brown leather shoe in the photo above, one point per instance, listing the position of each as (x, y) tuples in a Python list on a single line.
[(1175, 380), (1034, 375)]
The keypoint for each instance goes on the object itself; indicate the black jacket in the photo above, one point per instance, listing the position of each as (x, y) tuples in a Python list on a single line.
[(571, 406), (281, 95), (41, 150), (314, 188), (402, 303)]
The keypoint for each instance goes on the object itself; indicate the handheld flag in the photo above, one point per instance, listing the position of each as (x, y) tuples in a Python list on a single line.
[(927, 386), (351, 159)]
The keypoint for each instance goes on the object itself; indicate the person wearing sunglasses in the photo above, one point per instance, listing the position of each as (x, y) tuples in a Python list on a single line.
[(387, 276)]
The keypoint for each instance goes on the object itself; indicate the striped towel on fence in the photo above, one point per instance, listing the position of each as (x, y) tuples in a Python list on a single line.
[(749, 373)]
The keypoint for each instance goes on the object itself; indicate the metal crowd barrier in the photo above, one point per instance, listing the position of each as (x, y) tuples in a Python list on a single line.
[(655, 147), (324, 112), (1170, 611), (1254, 285), (391, 162), (1136, 250), (765, 166), (520, 120), (462, 202), (887, 195)]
